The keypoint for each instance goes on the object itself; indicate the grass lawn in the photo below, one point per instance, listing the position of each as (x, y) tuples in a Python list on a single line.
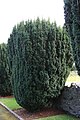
[(60, 117), (73, 77), (10, 103)]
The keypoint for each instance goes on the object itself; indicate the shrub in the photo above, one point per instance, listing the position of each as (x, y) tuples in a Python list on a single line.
[(70, 100), (40, 58), (5, 83)]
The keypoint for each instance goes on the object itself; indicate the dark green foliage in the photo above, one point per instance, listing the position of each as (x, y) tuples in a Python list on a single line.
[(70, 100), (72, 21), (40, 59), (5, 83)]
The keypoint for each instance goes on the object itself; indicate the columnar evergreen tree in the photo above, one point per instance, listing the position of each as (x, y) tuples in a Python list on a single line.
[(40, 59), (72, 21), (5, 83)]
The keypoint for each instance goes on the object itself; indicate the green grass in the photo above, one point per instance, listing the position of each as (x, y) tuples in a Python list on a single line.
[(10, 103), (60, 117), (73, 77)]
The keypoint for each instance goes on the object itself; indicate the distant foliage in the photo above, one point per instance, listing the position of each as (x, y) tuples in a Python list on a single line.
[(72, 21), (5, 83), (69, 100), (40, 58)]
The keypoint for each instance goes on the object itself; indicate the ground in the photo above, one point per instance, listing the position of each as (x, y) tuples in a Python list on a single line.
[(11, 103), (44, 113)]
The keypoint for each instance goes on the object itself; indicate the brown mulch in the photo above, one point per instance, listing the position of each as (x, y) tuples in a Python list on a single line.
[(41, 114), (6, 96)]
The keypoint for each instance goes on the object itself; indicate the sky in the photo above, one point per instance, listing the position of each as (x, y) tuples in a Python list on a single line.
[(14, 11)]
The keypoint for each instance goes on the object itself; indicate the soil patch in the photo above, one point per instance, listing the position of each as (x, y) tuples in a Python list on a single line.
[(6, 96), (41, 114)]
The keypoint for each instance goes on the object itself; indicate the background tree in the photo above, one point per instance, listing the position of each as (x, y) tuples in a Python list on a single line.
[(72, 21), (5, 83), (40, 59)]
